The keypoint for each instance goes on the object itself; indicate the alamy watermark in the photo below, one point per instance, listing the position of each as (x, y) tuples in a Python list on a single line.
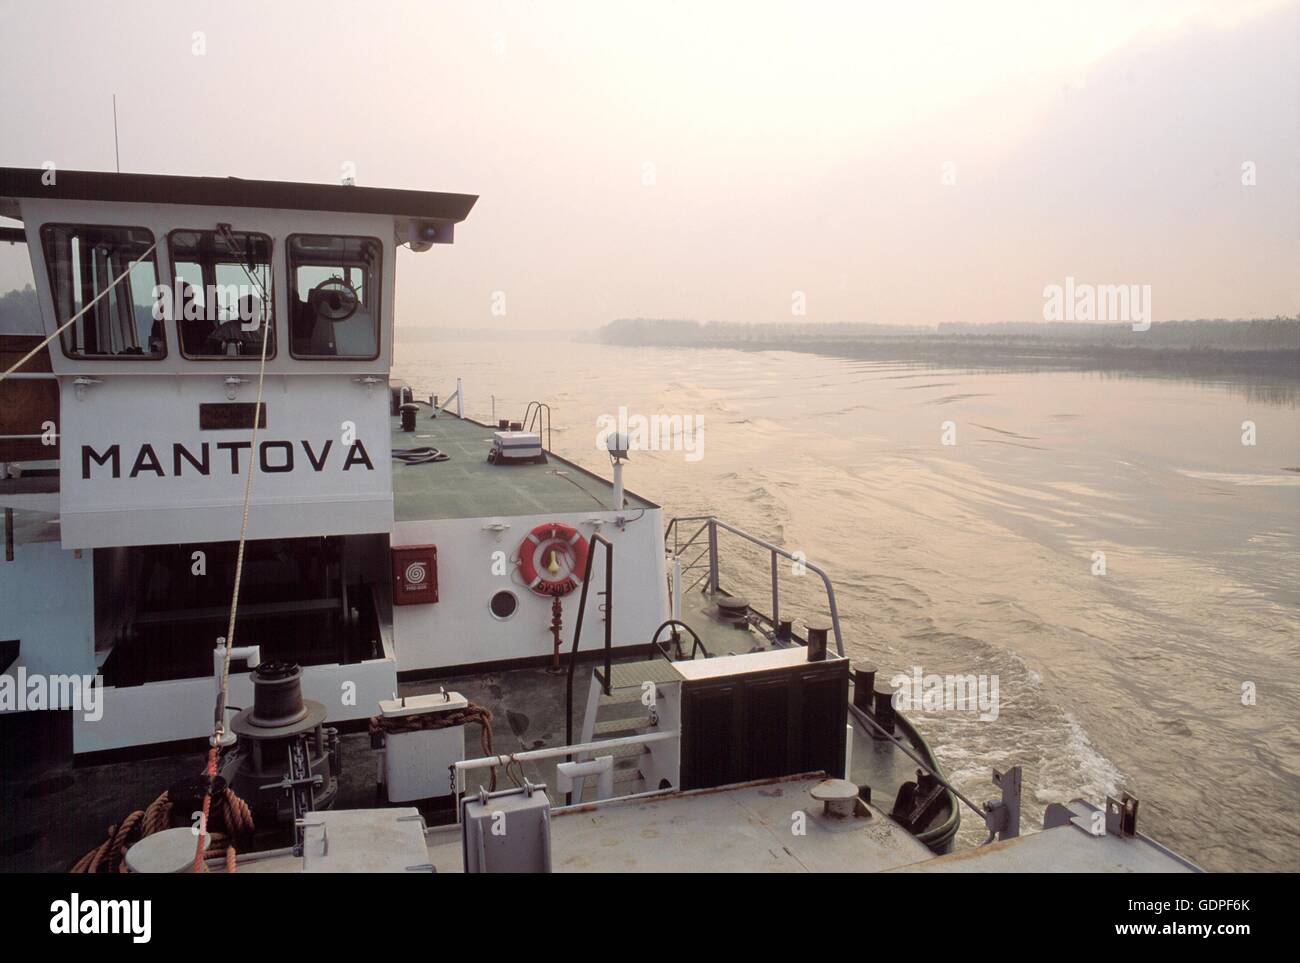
[(25, 691), (128, 917), (1075, 301), (654, 432), (220, 302), (947, 693)]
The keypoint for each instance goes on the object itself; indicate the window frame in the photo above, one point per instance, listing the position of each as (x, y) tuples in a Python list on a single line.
[(291, 294), (59, 320), (273, 347)]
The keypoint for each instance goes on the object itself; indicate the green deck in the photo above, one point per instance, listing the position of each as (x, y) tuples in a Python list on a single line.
[(468, 486)]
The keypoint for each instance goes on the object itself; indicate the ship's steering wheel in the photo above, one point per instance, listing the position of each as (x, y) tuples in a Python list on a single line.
[(334, 299)]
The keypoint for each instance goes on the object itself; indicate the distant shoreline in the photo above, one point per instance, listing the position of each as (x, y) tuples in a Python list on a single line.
[(949, 353), (1270, 347)]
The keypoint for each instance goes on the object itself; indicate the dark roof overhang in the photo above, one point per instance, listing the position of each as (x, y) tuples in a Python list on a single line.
[(17, 182)]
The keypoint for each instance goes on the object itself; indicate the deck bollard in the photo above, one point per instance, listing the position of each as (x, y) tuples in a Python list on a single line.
[(817, 632), (884, 709), (864, 685)]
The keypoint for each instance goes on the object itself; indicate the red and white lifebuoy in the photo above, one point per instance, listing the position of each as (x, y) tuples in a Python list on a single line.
[(552, 559)]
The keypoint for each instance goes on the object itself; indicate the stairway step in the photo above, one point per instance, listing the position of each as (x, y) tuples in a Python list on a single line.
[(622, 710), (623, 752), (622, 725), (618, 752), (625, 783), (621, 697), (625, 675)]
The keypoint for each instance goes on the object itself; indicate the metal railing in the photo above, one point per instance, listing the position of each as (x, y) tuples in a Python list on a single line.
[(1000, 817), (711, 524), (457, 396), (533, 415), (461, 767)]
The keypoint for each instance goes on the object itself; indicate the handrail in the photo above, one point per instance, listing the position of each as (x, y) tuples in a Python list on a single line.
[(577, 630), (531, 416), (461, 767), (712, 523), (677, 549), (865, 717), (699, 643), (458, 395)]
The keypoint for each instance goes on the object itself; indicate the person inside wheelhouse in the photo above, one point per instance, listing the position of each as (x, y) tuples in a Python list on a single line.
[(222, 297)]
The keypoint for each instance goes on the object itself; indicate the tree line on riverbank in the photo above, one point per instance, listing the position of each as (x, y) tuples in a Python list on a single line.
[(1261, 343)]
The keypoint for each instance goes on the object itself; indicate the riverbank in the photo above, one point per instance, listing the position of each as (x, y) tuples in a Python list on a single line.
[(1208, 348)]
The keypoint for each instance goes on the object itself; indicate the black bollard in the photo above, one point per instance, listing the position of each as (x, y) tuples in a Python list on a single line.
[(864, 685), (817, 632), (884, 708)]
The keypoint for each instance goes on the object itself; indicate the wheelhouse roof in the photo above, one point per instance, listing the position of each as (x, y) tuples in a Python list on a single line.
[(18, 182)]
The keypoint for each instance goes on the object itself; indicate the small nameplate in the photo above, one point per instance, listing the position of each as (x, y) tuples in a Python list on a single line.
[(224, 417)]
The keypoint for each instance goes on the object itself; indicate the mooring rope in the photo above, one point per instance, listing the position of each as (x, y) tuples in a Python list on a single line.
[(72, 320), (472, 713), (230, 813), (424, 455), (219, 722)]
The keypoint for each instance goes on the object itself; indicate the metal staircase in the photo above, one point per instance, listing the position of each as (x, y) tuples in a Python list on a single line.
[(622, 699), (627, 709)]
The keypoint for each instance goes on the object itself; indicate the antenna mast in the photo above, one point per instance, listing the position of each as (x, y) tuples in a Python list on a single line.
[(117, 157)]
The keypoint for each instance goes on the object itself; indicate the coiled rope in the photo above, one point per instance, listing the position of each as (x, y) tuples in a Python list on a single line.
[(424, 455), (228, 812)]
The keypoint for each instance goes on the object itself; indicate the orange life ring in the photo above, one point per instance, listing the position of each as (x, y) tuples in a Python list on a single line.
[(563, 541)]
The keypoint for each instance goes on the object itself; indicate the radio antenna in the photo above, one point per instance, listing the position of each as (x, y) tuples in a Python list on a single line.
[(117, 157)]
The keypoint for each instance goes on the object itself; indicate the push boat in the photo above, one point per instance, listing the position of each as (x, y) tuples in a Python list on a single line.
[(362, 631)]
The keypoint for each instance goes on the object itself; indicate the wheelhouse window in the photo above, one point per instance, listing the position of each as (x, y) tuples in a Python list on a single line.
[(221, 293), (83, 262), (334, 296)]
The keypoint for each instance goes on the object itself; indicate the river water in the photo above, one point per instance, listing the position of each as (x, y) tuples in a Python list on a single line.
[(1113, 549)]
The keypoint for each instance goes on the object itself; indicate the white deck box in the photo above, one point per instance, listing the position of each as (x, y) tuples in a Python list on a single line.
[(417, 765)]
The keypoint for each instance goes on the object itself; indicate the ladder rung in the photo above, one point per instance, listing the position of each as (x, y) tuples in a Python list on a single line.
[(620, 752), (623, 781), (621, 697), (622, 725), (634, 675)]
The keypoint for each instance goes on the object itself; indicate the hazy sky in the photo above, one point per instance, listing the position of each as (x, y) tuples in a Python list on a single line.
[(895, 162)]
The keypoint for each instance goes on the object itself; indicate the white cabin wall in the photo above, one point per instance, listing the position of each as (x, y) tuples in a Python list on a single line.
[(459, 629), (181, 709), (47, 603), (129, 412)]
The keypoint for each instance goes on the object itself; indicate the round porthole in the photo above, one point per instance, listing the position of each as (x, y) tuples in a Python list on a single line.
[(504, 604)]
